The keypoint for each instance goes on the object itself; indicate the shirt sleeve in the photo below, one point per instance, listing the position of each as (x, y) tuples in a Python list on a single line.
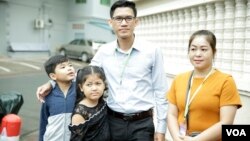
[(171, 94), (43, 121), (230, 95), (53, 83), (96, 61), (160, 88)]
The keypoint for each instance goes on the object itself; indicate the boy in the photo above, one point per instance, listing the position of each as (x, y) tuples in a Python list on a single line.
[(56, 111)]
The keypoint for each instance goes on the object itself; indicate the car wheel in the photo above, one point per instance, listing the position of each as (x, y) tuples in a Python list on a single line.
[(84, 57), (62, 52)]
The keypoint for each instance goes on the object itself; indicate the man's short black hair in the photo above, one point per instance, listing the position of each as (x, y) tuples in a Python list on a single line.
[(123, 3)]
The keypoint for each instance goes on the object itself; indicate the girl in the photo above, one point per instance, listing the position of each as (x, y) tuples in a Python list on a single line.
[(89, 118)]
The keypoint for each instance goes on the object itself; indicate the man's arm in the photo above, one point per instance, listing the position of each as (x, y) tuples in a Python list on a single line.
[(43, 90), (160, 88)]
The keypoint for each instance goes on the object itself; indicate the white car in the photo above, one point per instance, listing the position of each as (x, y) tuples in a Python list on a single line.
[(80, 49)]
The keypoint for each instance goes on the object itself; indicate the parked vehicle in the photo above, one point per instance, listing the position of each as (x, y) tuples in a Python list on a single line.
[(80, 49)]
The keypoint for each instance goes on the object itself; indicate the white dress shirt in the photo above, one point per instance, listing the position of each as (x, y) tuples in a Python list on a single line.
[(136, 79)]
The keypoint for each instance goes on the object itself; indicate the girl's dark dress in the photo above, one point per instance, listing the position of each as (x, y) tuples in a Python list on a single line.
[(95, 128)]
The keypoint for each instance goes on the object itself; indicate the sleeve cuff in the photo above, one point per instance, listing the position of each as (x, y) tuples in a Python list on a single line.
[(53, 83), (161, 127)]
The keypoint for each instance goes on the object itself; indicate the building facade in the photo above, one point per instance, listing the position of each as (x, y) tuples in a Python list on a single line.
[(168, 23), (40, 25)]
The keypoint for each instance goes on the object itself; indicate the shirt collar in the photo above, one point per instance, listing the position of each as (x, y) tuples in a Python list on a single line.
[(136, 45)]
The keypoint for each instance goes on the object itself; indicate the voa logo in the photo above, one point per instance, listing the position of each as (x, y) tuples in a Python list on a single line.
[(236, 132)]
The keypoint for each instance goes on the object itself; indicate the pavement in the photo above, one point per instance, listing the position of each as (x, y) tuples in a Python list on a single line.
[(33, 136)]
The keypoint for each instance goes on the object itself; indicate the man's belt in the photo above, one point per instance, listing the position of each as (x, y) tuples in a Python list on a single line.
[(131, 117)]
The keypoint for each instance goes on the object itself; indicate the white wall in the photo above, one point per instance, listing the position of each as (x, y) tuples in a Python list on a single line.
[(77, 11), (93, 17), (100, 11), (92, 8), (148, 7), (21, 17), (21, 25), (59, 15), (103, 34), (228, 19), (3, 32)]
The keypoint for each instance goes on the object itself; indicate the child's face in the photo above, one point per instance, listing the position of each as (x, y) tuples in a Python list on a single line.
[(63, 72), (93, 87)]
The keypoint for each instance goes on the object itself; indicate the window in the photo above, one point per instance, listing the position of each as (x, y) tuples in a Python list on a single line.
[(105, 2), (81, 1), (82, 42), (74, 42)]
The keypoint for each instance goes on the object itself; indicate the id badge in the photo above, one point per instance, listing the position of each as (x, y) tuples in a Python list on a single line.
[(183, 128)]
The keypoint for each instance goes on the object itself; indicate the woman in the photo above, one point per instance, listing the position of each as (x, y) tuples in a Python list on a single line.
[(201, 100)]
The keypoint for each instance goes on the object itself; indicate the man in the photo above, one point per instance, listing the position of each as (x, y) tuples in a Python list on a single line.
[(136, 80)]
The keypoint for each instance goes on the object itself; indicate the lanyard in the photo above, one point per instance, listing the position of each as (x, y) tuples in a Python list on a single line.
[(125, 63), (188, 101)]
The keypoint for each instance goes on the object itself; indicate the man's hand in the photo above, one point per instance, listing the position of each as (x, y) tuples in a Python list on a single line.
[(159, 137), (42, 91)]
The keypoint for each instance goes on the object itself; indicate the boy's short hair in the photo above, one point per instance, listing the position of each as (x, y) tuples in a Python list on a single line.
[(53, 61)]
